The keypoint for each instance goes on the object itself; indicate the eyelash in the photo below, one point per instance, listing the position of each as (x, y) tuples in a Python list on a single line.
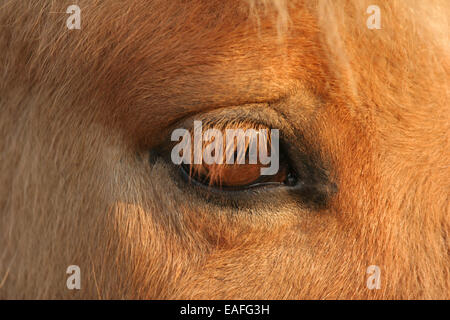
[(262, 181), (219, 166)]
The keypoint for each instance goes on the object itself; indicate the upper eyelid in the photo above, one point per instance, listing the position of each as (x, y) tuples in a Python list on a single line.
[(257, 113), (224, 118)]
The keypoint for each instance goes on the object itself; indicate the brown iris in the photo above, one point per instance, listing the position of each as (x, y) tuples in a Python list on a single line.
[(233, 175), (238, 174)]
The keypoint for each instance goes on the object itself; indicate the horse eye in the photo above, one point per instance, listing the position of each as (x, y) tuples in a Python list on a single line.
[(239, 175)]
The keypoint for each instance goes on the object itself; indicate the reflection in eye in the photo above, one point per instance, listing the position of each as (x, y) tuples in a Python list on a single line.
[(236, 176), (243, 173)]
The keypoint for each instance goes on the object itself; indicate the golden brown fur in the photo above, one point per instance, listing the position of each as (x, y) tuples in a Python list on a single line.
[(81, 108)]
